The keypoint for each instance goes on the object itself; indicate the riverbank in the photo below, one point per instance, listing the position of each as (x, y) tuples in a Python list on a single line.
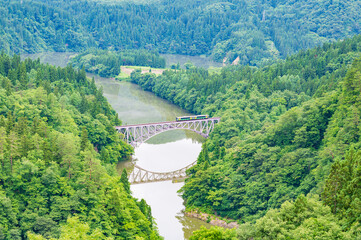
[(211, 219)]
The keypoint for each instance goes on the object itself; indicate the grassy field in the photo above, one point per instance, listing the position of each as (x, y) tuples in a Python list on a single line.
[(127, 70)]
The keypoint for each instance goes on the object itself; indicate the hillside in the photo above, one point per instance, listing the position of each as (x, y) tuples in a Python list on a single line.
[(58, 147), (248, 32), (283, 128)]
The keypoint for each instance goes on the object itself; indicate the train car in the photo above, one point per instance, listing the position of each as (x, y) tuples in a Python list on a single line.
[(188, 118)]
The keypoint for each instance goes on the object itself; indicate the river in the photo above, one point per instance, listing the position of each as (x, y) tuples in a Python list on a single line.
[(165, 152)]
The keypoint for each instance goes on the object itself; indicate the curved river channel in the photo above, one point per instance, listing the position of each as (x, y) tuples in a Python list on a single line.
[(165, 152)]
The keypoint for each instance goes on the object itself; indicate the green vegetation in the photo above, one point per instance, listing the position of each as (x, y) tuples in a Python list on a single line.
[(57, 149), (284, 160), (214, 233), (284, 128), (303, 219), (248, 32), (107, 64)]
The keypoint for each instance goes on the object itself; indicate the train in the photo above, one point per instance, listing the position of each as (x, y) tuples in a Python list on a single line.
[(188, 118)]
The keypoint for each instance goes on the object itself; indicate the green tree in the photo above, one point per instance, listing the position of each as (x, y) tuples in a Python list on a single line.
[(304, 218), (124, 181), (342, 186), (83, 139), (2, 144), (214, 233), (68, 148), (12, 147)]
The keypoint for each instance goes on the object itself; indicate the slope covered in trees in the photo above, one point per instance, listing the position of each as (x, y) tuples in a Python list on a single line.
[(250, 32), (57, 146), (282, 128)]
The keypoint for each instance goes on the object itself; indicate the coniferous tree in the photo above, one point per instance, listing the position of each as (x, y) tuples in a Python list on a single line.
[(83, 139), (124, 181)]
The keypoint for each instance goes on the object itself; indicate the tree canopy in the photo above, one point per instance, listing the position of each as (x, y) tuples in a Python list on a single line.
[(54, 181), (246, 32), (283, 129)]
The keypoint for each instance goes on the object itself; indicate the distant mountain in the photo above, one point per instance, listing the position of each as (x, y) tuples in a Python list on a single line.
[(253, 32)]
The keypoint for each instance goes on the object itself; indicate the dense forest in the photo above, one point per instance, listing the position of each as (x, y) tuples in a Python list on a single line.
[(107, 64), (247, 32), (58, 147), (287, 130)]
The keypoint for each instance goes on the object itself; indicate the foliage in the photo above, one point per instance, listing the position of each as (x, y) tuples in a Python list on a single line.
[(281, 127), (214, 233), (246, 32), (341, 190), (287, 83), (107, 64), (305, 218), (74, 229), (342, 187), (53, 123)]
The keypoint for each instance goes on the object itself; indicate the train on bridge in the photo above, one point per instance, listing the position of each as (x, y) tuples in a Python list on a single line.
[(187, 118)]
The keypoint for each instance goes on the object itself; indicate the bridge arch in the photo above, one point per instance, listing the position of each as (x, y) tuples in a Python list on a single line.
[(141, 175), (139, 133)]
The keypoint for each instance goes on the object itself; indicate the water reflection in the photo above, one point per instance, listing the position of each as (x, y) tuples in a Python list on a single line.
[(168, 156), (166, 205)]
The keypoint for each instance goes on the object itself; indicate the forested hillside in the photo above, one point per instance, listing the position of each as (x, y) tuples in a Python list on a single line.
[(283, 129), (57, 146), (247, 32)]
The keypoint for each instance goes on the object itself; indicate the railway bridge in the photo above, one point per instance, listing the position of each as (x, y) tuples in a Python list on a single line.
[(139, 133)]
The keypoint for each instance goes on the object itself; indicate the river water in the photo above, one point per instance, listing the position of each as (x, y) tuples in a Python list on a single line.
[(165, 152)]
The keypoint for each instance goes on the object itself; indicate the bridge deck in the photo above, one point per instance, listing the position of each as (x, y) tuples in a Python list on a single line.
[(150, 124)]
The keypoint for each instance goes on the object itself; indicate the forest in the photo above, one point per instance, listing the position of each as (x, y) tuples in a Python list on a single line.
[(58, 147), (246, 32), (107, 64), (285, 155)]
